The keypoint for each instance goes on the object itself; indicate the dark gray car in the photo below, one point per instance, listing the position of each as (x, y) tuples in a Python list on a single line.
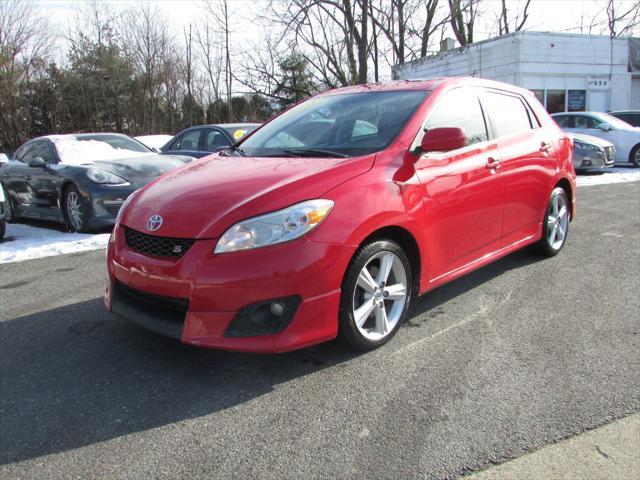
[(80, 179)]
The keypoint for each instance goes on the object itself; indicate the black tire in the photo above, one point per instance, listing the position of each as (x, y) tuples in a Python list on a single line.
[(3, 227), (348, 330), (545, 246), (634, 156), (9, 215), (75, 222)]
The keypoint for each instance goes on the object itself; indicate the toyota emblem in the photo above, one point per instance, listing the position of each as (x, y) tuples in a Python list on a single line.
[(154, 223)]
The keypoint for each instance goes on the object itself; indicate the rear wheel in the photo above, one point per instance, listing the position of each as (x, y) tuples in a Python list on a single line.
[(555, 226), (75, 210), (634, 157), (376, 295)]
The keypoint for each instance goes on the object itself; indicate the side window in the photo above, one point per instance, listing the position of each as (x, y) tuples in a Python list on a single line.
[(590, 122), (22, 153), (215, 140), (509, 116), (37, 149), (460, 108), (188, 141), (564, 121)]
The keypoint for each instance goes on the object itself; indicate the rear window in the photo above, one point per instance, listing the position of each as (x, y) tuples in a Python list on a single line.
[(509, 115)]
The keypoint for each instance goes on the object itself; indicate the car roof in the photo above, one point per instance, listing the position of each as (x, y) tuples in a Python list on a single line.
[(427, 85), (637, 112), (578, 113)]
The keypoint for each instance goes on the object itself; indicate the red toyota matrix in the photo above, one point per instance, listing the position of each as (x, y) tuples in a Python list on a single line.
[(331, 218)]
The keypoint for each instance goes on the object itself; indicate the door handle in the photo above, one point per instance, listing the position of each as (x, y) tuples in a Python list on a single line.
[(545, 147), (493, 163)]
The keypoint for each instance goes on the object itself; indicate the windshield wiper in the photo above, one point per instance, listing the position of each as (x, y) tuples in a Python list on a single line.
[(313, 152)]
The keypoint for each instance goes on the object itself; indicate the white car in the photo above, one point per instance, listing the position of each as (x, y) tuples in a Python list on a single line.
[(591, 153), (154, 142), (625, 137)]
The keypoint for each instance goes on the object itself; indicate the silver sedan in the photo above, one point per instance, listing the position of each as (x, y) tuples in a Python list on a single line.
[(592, 153)]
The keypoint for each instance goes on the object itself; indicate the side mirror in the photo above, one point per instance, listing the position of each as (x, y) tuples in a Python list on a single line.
[(443, 139), (604, 126), (37, 162)]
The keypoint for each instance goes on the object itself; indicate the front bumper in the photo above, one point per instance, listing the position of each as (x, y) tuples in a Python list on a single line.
[(215, 288)]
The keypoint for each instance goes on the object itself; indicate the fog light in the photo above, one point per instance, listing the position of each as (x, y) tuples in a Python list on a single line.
[(263, 318), (277, 309)]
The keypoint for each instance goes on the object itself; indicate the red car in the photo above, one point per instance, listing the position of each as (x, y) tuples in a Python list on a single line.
[(331, 218)]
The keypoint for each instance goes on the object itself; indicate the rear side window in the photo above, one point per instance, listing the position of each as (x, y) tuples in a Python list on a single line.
[(460, 108), (509, 115)]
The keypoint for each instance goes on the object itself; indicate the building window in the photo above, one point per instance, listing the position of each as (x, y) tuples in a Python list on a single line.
[(576, 100), (556, 101)]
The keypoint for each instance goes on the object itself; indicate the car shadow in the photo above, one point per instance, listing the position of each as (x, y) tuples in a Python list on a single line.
[(75, 375)]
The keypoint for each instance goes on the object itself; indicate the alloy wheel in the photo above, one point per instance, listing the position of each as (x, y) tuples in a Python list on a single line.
[(380, 295), (74, 210), (558, 222)]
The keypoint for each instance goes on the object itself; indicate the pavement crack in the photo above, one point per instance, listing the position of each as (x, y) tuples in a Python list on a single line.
[(602, 453)]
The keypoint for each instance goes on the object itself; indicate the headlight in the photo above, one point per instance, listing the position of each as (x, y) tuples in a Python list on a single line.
[(102, 176), (276, 227), (586, 146), (124, 205)]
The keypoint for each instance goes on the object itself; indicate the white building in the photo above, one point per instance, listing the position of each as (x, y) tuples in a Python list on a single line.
[(567, 72)]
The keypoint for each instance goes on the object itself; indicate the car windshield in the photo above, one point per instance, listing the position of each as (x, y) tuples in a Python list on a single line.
[(336, 125), (80, 149), (239, 131)]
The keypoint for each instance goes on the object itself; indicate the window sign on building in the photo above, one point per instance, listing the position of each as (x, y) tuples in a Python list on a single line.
[(576, 100)]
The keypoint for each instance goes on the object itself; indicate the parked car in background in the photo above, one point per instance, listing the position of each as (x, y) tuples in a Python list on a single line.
[(154, 142), (333, 216), (592, 153), (81, 179), (632, 117), (207, 139), (625, 137)]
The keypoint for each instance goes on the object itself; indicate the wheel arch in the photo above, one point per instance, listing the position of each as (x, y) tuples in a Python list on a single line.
[(632, 153), (566, 186), (408, 242)]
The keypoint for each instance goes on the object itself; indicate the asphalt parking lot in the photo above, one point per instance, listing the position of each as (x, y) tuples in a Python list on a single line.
[(513, 357)]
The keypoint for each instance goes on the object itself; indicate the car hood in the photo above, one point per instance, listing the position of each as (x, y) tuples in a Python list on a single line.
[(141, 167), (591, 139), (204, 198)]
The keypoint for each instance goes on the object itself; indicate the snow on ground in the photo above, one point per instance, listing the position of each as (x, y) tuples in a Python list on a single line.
[(25, 242), (612, 175)]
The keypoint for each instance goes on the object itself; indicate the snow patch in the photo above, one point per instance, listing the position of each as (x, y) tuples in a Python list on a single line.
[(613, 175), (73, 151), (25, 242)]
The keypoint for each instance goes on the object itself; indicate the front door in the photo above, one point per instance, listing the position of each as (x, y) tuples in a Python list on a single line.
[(463, 189)]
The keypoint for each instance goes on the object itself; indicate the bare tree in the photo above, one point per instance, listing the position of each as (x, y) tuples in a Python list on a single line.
[(622, 20), (463, 17), (25, 44), (210, 56), (507, 23)]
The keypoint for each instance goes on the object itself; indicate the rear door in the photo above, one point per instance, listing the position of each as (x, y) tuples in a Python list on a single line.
[(463, 188), (528, 163)]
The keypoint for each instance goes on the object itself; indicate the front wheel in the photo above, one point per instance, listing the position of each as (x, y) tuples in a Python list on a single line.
[(75, 210), (555, 226), (376, 295), (9, 215)]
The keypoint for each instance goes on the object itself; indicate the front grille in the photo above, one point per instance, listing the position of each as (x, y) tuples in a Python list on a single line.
[(157, 246), (167, 305)]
